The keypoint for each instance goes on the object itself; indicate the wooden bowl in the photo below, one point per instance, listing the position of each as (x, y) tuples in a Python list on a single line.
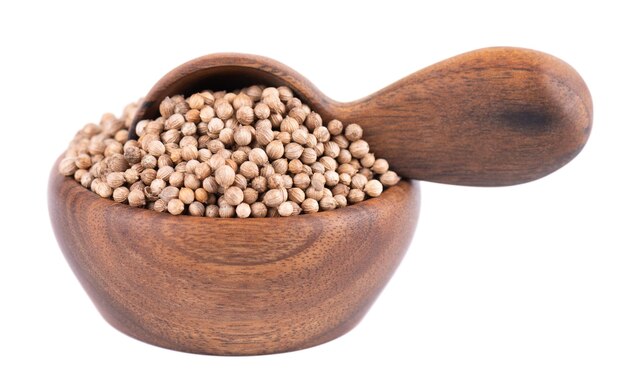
[(232, 286)]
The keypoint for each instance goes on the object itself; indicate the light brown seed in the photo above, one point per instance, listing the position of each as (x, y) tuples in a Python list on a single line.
[(275, 181), (166, 108), (389, 178), (160, 205), (120, 194), (273, 198), (131, 176), (289, 124), (86, 180), (300, 136), (225, 175), (285, 209), (353, 132), (196, 209), (175, 121), (175, 207), (275, 150), (310, 206), (67, 166), (212, 211), (295, 166), (215, 125), (262, 111), (258, 156), (233, 196), (313, 120), (156, 148), (380, 166), (328, 203), (115, 179), (358, 181), (308, 156), (318, 181), (296, 195), (207, 113), (242, 136), (367, 173), (223, 109), (321, 134), (341, 200), (293, 151), (196, 101), (189, 152), (192, 116), (227, 211), (186, 195), (298, 113), (302, 181), (315, 194), (373, 188), (169, 193), (359, 148), (368, 160), (136, 198), (355, 196), (331, 177), (250, 195), (202, 195), (177, 179), (258, 210), (83, 161), (344, 156), (210, 185), (243, 210), (201, 171), (191, 181), (264, 135), (335, 127), (259, 184), (189, 129), (249, 169)]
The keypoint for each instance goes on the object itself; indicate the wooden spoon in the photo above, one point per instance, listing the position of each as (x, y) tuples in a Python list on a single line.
[(490, 117)]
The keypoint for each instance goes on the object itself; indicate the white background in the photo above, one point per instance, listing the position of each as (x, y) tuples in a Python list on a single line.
[(499, 283)]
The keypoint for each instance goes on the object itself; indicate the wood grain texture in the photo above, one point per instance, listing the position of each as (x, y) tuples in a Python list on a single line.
[(232, 286), (491, 117)]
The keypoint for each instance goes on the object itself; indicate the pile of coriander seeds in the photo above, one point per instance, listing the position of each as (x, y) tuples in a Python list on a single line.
[(257, 152)]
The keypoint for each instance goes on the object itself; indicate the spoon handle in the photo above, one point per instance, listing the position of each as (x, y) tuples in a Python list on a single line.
[(491, 117)]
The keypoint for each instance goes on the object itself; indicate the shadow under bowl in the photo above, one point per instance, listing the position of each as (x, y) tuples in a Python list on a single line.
[(232, 286)]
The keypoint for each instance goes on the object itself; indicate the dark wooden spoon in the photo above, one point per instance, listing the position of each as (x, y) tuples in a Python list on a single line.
[(491, 117)]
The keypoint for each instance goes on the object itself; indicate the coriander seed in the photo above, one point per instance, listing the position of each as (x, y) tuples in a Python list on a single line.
[(258, 210), (389, 178), (373, 188), (273, 198), (309, 206), (285, 209), (212, 211), (225, 175), (233, 196), (186, 195), (175, 206), (196, 209), (243, 210), (255, 152), (136, 198)]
